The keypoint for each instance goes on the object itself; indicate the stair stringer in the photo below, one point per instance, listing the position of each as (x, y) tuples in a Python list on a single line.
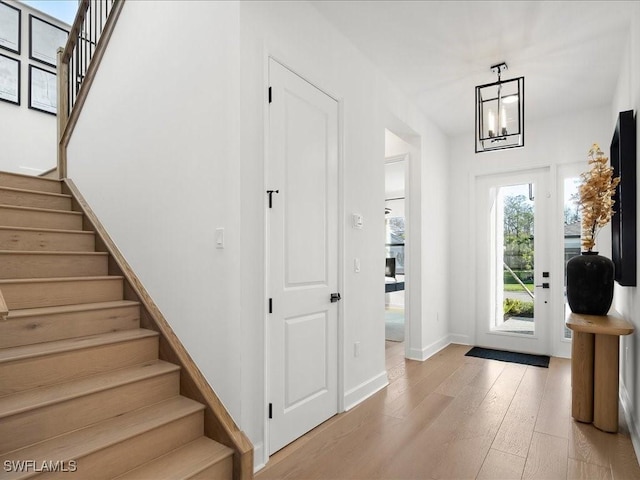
[(218, 423)]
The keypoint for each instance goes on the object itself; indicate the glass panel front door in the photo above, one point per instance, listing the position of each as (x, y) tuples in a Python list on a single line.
[(512, 274)]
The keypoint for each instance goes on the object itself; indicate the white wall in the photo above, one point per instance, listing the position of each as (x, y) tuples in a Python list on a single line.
[(171, 145), (627, 299), (27, 137), (554, 142), (156, 153)]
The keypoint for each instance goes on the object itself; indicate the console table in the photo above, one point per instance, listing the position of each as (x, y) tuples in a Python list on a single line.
[(595, 354)]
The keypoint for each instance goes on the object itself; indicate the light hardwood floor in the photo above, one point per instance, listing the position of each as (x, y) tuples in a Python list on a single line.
[(457, 417)]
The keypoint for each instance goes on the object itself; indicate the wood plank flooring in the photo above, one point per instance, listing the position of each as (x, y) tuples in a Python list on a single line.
[(457, 417)]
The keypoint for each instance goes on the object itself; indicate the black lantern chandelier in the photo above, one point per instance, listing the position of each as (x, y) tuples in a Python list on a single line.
[(500, 113)]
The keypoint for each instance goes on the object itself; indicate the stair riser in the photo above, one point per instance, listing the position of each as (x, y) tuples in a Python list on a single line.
[(46, 422), (49, 294), (35, 200), (124, 456), (222, 469), (29, 183), (46, 241), (34, 372), (48, 328), (11, 217), (19, 265)]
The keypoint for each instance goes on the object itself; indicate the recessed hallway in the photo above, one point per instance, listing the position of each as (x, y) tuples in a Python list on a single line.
[(457, 417)]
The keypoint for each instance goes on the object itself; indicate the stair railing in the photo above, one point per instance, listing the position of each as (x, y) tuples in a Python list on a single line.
[(78, 62)]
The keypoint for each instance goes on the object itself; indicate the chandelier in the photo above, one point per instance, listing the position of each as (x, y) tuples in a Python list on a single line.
[(500, 113)]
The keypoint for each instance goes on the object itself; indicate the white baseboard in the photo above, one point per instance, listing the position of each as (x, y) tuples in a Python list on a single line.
[(460, 339), (363, 391), (259, 457), (422, 354), (630, 417)]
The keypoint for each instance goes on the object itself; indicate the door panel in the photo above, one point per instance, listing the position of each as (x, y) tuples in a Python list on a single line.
[(303, 256), (305, 337), (305, 182)]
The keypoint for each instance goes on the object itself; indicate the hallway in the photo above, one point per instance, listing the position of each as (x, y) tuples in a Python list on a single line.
[(458, 417)]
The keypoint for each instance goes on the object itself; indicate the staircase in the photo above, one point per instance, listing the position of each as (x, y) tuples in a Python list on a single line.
[(83, 393)]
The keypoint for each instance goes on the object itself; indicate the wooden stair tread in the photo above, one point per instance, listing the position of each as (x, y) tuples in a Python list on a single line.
[(42, 210), (26, 176), (22, 180), (35, 192), (41, 349), (83, 307), (50, 292), (59, 279), (58, 253), (47, 230), (39, 397), (80, 443), (181, 463)]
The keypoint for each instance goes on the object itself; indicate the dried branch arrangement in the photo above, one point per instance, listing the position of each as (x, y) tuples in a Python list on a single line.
[(594, 199)]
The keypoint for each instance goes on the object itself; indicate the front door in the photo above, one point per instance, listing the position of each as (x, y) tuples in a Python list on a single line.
[(512, 258), (302, 176)]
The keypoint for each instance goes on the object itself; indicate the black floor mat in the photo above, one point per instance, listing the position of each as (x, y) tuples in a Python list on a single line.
[(513, 357)]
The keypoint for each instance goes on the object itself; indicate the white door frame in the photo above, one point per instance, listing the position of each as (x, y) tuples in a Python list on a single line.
[(408, 258), (341, 232), (414, 348), (540, 342), (561, 346)]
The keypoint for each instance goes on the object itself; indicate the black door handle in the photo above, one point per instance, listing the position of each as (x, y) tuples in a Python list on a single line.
[(544, 285), (335, 297)]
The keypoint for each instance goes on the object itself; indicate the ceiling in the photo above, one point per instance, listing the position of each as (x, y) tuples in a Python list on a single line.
[(569, 52)]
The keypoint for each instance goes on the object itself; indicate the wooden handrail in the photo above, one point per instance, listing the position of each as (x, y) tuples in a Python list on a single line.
[(4, 311), (74, 34), (78, 63)]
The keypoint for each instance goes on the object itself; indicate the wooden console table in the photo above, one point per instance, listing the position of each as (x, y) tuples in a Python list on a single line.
[(595, 352)]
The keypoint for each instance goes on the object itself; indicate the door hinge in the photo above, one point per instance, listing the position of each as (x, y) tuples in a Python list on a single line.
[(271, 410), (270, 95), (271, 305)]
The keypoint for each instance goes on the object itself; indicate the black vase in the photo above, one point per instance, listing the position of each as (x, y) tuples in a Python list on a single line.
[(590, 283)]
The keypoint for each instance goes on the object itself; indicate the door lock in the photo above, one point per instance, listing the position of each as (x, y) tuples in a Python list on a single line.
[(335, 297)]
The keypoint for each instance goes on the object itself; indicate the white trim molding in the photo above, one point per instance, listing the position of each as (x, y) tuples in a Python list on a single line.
[(259, 459), (365, 390), (423, 354)]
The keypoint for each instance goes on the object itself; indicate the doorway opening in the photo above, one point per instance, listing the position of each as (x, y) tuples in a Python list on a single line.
[(395, 218)]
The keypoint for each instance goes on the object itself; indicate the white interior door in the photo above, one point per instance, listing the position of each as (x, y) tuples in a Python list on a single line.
[(303, 256), (513, 276)]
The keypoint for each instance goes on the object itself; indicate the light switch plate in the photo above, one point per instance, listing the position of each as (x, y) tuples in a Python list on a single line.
[(219, 237)]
